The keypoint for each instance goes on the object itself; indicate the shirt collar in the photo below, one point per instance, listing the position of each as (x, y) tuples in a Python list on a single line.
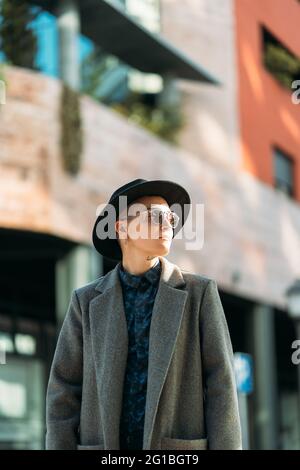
[(134, 280)]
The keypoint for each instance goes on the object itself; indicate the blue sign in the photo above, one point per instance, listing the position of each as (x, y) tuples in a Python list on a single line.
[(243, 366)]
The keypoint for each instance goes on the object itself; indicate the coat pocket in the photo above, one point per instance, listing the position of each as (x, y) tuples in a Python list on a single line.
[(90, 447), (170, 443)]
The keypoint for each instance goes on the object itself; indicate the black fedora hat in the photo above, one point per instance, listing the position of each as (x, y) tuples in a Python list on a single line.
[(172, 192)]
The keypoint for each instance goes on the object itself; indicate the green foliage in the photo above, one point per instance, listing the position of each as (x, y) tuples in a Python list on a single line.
[(93, 67), (71, 129), (2, 73), (283, 65), (17, 40), (162, 120)]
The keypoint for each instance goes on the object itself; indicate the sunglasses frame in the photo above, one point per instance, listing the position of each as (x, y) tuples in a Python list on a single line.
[(161, 211)]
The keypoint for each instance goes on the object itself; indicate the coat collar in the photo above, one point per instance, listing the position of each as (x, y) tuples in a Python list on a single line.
[(151, 276), (109, 336), (170, 274)]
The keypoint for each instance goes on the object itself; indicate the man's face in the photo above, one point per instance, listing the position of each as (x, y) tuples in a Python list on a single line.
[(141, 231)]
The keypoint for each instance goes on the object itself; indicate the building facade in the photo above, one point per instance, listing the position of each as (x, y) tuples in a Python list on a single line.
[(238, 156)]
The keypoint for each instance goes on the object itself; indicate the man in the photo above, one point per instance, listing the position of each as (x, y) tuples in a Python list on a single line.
[(144, 358)]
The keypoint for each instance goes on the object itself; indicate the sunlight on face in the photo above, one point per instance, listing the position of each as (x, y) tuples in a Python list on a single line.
[(142, 236)]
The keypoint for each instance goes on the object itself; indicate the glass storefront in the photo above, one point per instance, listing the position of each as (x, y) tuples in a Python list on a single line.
[(22, 403)]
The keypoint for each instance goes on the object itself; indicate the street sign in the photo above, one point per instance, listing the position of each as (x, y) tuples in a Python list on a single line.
[(243, 366)]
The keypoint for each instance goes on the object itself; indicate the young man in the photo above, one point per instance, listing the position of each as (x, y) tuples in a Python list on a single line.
[(144, 358)]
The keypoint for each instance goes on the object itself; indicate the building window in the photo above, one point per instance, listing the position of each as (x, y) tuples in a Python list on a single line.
[(283, 172), (279, 60), (147, 14)]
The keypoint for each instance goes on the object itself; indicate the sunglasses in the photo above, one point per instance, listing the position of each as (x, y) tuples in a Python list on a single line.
[(157, 216)]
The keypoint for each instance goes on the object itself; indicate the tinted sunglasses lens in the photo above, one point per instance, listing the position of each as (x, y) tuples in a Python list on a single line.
[(158, 216), (174, 219)]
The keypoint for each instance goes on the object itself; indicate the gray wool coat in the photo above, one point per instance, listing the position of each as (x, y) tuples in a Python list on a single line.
[(191, 400)]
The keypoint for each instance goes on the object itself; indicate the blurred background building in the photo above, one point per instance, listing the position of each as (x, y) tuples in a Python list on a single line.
[(98, 93)]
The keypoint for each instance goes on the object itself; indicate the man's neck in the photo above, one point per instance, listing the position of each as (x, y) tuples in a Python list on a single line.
[(139, 266)]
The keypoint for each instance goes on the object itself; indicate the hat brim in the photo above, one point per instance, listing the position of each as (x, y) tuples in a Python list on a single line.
[(172, 192)]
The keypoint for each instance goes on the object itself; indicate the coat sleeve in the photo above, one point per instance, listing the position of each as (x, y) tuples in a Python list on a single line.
[(220, 394), (63, 396)]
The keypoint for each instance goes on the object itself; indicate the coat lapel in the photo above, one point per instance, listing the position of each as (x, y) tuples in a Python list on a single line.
[(110, 346)]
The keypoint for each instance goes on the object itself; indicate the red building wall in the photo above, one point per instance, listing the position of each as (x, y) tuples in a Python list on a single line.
[(267, 114)]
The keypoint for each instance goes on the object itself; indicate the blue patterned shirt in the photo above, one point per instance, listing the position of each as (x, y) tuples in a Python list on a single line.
[(139, 292)]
